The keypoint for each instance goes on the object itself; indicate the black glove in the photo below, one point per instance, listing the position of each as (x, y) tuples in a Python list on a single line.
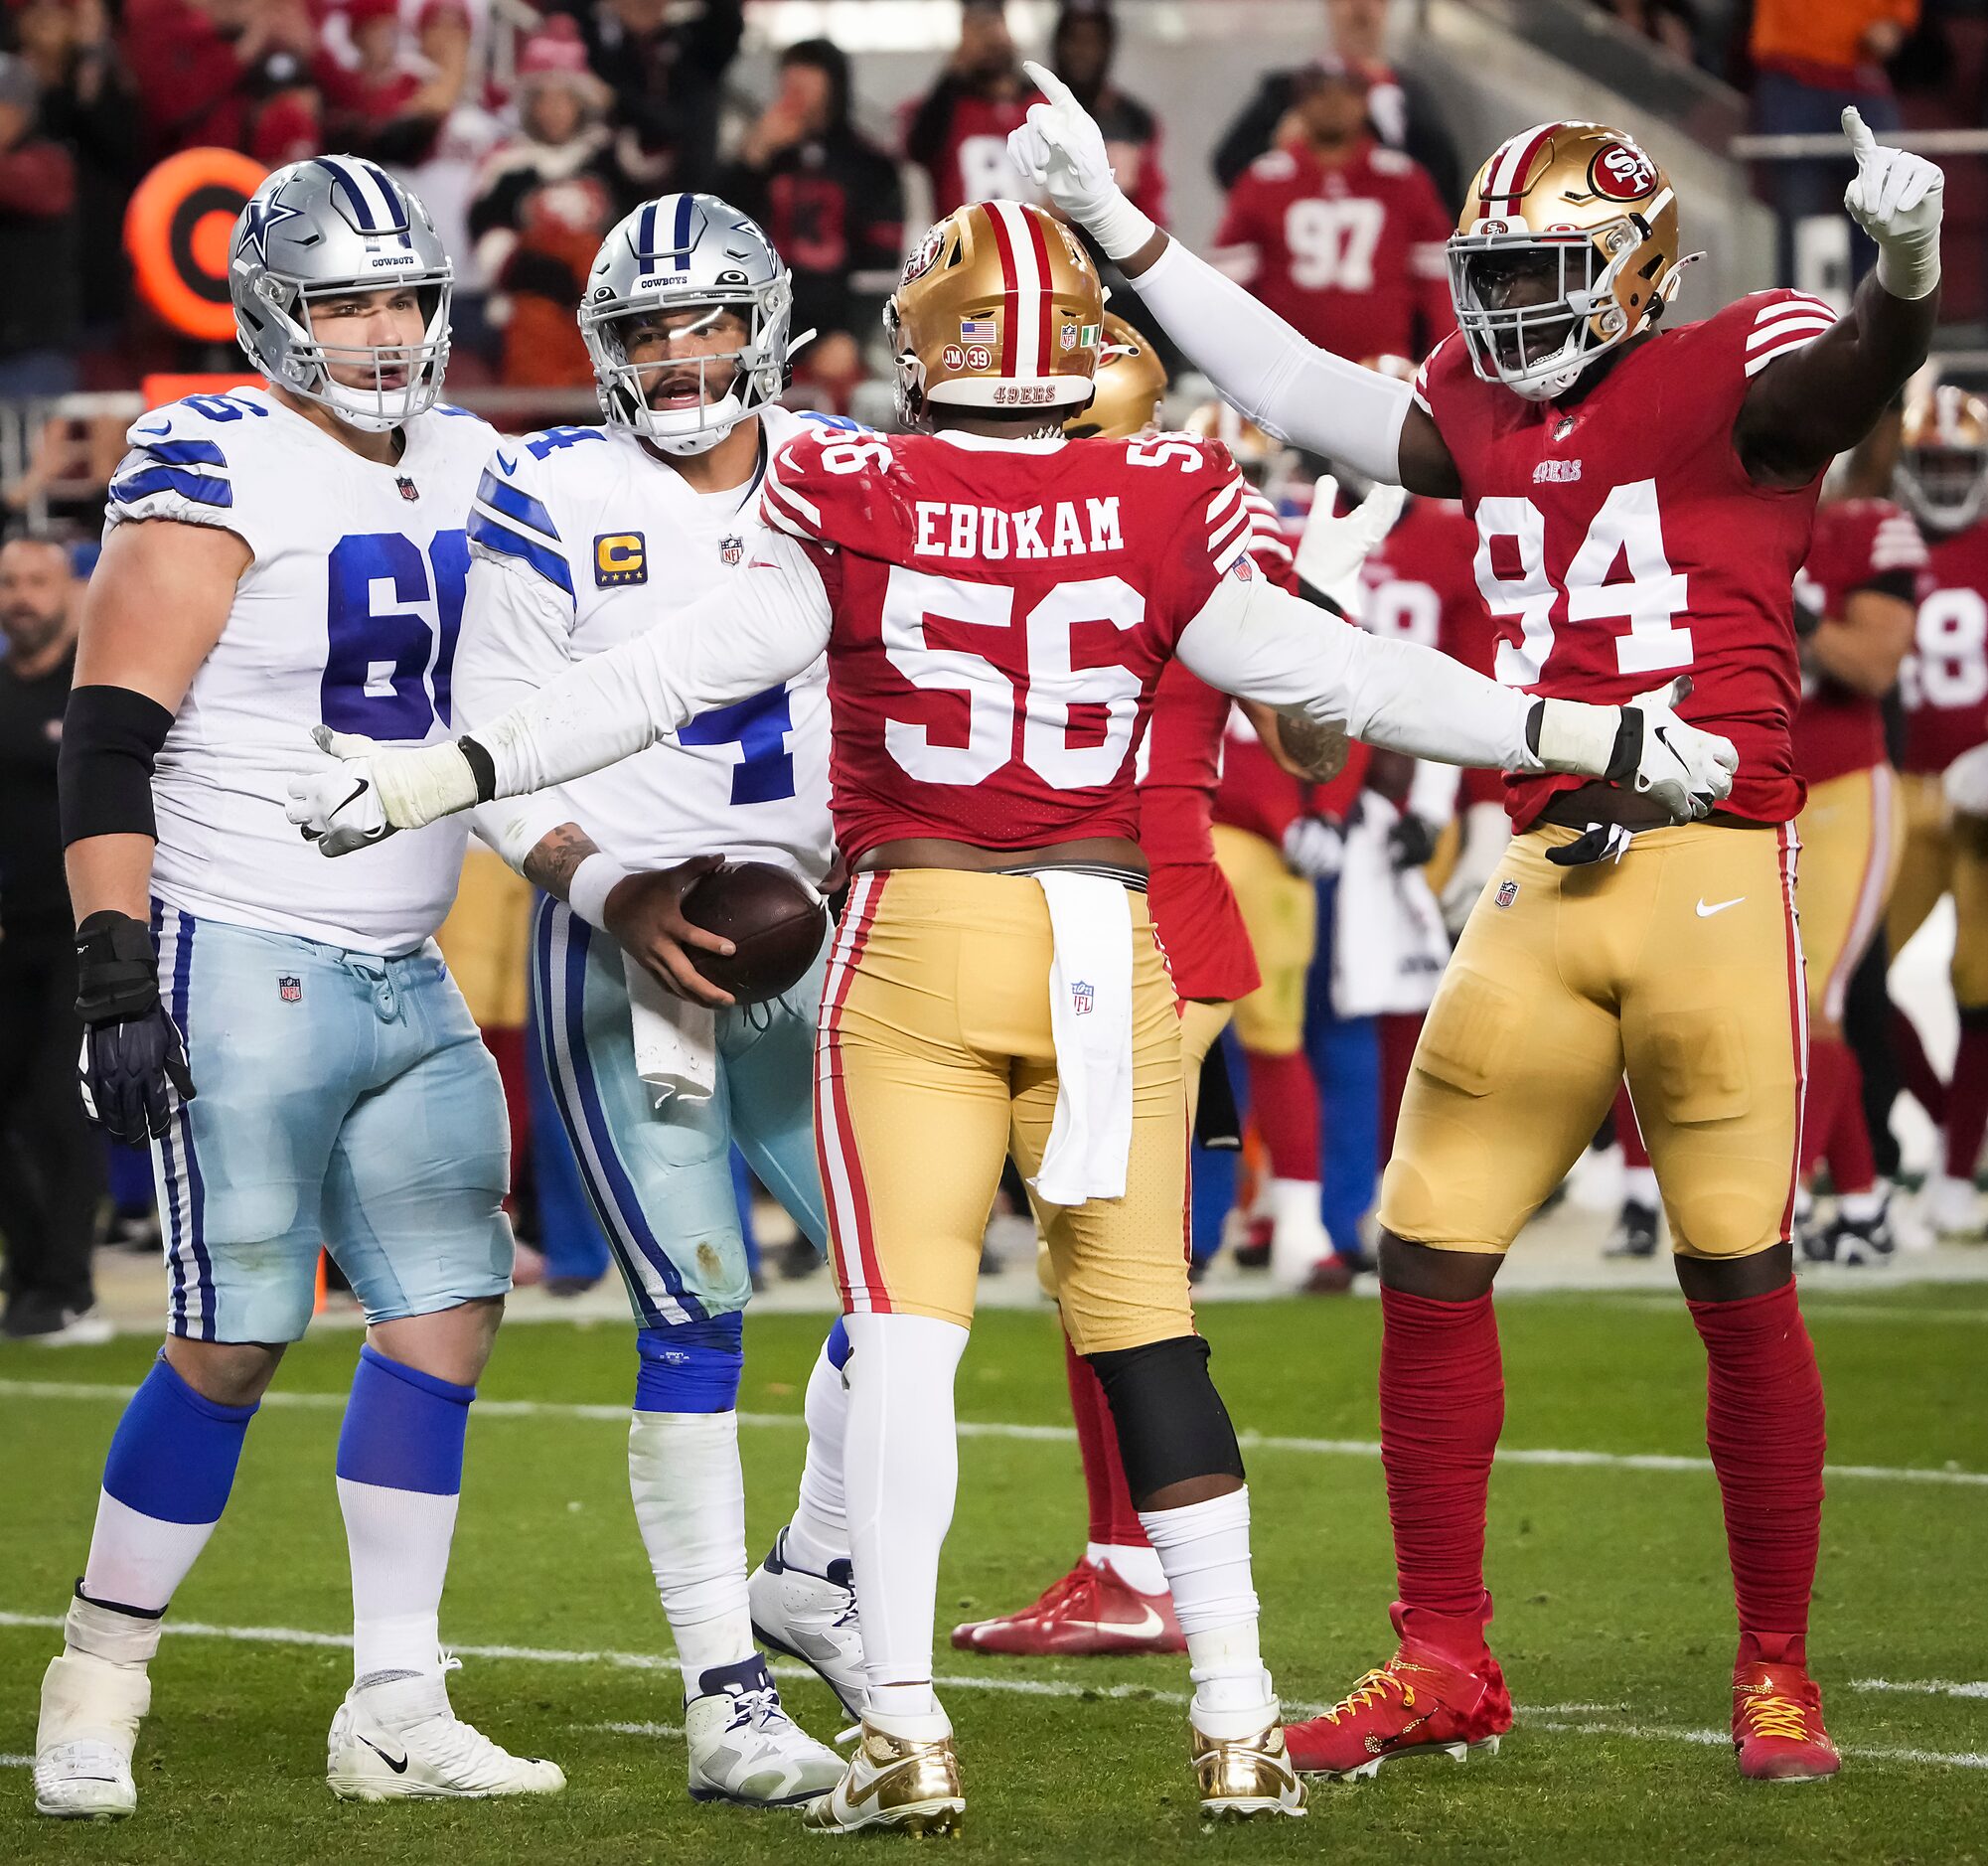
[(131, 1049), (1411, 842)]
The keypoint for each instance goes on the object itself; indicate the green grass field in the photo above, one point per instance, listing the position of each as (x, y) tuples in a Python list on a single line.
[(1614, 1613)]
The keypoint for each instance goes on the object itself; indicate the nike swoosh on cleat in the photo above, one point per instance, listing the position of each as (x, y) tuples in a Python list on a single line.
[(1143, 1629), (1706, 912), (399, 1765)]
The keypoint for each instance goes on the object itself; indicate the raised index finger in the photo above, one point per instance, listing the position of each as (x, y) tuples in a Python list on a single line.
[(1046, 81), (1862, 142)]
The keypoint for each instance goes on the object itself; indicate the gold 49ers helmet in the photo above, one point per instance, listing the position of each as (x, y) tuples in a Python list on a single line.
[(1566, 247), (998, 308), (1262, 460), (1942, 471), (1129, 383)]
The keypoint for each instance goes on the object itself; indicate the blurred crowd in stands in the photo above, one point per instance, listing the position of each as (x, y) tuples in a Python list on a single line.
[(527, 153)]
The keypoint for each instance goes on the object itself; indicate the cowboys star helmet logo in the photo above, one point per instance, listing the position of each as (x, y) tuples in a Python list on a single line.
[(259, 218)]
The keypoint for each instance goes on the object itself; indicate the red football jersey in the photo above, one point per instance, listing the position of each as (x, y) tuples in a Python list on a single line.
[(1002, 613), (1352, 257), (1620, 543), (970, 162), (1420, 584), (1945, 677), (1859, 543)]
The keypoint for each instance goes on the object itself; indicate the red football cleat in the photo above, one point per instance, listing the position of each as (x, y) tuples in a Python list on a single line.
[(1777, 1725), (1420, 1702), (1090, 1613)]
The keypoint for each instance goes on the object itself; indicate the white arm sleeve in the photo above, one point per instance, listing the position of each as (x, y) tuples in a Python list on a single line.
[(1253, 639), (765, 626), (1286, 384), (516, 639)]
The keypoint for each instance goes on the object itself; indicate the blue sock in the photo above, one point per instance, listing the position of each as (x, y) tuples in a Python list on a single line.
[(690, 1366), (166, 1480), (400, 1473)]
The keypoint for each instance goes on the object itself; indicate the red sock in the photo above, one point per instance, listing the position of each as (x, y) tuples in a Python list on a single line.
[(1284, 1099), (1400, 1031), (1829, 1066), (1967, 1096), (1853, 1167), (1918, 1075), (507, 1048), (1628, 1136), (1764, 1426), (1114, 1520), (1442, 1405)]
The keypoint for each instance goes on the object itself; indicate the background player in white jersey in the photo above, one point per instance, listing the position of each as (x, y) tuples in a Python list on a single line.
[(271, 555), (583, 538)]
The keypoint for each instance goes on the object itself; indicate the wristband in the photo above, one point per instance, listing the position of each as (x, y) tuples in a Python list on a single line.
[(1909, 267), (593, 880), (1571, 735), (1117, 226)]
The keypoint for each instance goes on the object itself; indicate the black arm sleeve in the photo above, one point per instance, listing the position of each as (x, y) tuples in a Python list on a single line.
[(103, 773)]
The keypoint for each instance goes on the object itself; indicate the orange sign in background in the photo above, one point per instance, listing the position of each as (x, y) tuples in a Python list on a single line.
[(177, 229)]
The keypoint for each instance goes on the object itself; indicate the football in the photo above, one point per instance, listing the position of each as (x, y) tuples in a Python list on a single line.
[(771, 918)]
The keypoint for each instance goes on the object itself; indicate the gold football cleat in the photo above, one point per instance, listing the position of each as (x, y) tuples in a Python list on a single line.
[(893, 1781), (1242, 1778)]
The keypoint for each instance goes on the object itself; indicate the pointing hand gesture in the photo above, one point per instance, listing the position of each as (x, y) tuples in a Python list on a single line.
[(1896, 198)]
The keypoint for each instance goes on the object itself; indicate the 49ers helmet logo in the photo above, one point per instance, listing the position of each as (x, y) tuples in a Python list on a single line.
[(925, 256), (1622, 172)]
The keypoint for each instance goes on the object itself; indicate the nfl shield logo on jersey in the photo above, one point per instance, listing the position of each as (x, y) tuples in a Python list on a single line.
[(1083, 997), (731, 548), (409, 489), (1508, 891), (289, 989)]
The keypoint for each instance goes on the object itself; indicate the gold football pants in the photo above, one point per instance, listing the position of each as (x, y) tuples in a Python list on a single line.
[(1678, 965), (1943, 855), (935, 1061), (1280, 912), (1851, 832)]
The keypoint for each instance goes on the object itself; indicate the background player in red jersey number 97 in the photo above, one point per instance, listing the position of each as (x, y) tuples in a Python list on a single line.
[(1643, 498), (997, 605)]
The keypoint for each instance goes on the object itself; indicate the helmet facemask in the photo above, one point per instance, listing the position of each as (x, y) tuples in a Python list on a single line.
[(374, 406), (1944, 483), (1538, 346), (712, 392)]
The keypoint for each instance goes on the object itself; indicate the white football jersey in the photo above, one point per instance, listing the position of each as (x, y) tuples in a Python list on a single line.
[(580, 539), (348, 614)]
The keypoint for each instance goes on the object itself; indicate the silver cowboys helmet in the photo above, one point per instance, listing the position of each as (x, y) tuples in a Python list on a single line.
[(326, 227), (698, 254)]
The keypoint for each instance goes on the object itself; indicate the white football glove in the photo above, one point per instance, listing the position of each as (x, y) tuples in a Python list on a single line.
[(1486, 832), (1684, 769), (371, 790), (1896, 199), (1966, 783), (1061, 149), (1315, 847), (1332, 549)]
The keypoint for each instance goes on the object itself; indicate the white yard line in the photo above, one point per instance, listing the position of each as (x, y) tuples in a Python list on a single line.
[(1561, 1719), (1924, 1688), (102, 1391)]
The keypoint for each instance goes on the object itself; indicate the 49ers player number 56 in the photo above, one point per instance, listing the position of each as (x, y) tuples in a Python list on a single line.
[(1642, 498)]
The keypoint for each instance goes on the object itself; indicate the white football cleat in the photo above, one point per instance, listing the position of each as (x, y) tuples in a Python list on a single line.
[(903, 1774), (1953, 1207), (811, 1617), (399, 1741), (91, 1711), (744, 1747)]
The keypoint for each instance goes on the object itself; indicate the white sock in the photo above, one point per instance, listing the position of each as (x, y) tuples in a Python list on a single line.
[(820, 1531), (1300, 1238), (1137, 1566), (399, 1541), (902, 1472), (1640, 1186), (1862, 1207), (689, 1505), (1205, 1551), (137, 1560), (103, 1633)]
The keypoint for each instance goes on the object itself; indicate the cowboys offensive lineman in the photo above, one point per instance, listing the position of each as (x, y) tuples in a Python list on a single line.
[(272, 556), (583, 538)]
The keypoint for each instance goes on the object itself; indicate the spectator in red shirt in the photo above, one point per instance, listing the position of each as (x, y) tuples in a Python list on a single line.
[(362, 98), (958, 133), (831, 202), (38, 244), (233, 72), (1339, 235), (664, 63)]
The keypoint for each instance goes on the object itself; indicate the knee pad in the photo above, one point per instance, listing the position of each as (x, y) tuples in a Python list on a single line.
[(1172, 1423), (693, 1368)]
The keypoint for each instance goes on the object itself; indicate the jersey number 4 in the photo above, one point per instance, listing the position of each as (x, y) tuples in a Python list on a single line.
[(388, 656), (1650, 597)]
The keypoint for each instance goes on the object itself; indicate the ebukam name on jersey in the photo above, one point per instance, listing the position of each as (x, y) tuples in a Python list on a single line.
[(947, 529)]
